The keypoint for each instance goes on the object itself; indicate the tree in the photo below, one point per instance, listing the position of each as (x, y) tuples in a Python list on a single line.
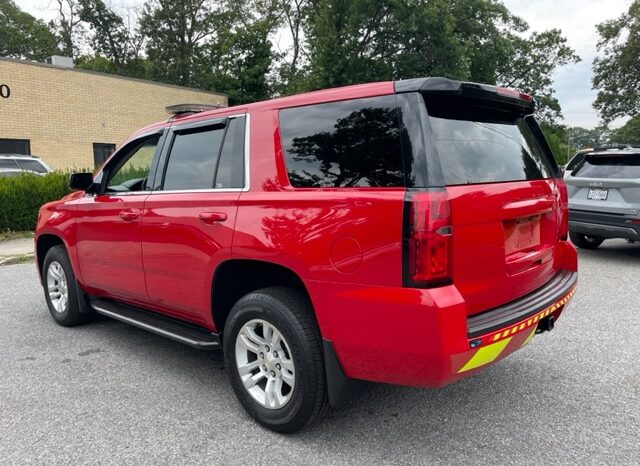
[(68, 27), (583, 138), (293, 67), (111, 40), (629, 133), (352, 41), (238, 64), (23, 36), (616, 75), (177, 32), (528, 65), (557, 137)]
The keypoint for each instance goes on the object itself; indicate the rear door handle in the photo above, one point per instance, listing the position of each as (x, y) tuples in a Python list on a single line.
[(212, 217), (129, 215)]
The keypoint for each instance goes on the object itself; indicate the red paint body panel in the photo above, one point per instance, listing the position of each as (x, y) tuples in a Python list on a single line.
[(180, 252), (505, 235), (109, 247), (345, 244)]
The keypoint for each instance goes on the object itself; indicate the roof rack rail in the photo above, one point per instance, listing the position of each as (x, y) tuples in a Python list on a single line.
[(613, 146), (183, 109)]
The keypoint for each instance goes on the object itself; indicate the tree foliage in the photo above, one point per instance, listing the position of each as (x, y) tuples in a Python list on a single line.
[(111, 39), (232, 46), (629, 133), (68, 27), (617, 72), (23, 36), (352, 41)]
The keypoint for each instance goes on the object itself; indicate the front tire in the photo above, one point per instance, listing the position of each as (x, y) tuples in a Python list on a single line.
[(61, 288), (273, 352), (585, 241)]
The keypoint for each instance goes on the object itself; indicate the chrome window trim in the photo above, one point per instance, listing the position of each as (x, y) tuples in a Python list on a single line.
[(247, 153), (186, 191)]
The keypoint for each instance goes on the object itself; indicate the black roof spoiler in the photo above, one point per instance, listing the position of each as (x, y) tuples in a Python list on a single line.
[(444, 86)]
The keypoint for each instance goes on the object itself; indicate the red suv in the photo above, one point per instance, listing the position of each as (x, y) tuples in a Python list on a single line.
[(409, 232)]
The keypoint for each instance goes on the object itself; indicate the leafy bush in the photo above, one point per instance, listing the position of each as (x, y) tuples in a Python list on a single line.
[(22, 196)]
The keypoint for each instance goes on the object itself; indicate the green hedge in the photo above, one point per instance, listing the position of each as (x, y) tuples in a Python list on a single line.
[(22, 196)]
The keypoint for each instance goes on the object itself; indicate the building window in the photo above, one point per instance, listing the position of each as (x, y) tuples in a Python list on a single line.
[(15, 146), (102, 152)]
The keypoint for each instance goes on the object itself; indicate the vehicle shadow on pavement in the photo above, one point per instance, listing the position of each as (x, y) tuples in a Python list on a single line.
[(618, 250)]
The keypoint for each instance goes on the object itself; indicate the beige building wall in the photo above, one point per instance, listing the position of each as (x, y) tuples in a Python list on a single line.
[(63, 111)]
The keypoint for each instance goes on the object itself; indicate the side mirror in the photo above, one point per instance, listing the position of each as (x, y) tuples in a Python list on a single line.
[(80, 181)]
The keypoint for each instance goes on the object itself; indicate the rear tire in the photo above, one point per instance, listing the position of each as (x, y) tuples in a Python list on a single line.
[(585, 241), (273, 353), (61, 289)]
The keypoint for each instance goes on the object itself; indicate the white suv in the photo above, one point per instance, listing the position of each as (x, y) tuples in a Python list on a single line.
[(10, 164)]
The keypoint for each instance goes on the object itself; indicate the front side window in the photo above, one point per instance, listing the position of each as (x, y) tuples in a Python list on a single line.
[(131, 172), (351, 143)]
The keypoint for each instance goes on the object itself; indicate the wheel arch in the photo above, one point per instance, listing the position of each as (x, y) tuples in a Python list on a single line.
[(235, 278), (45, 242)]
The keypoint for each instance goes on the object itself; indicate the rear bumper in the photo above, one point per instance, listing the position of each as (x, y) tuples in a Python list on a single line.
[(603, 224), (423, 338)]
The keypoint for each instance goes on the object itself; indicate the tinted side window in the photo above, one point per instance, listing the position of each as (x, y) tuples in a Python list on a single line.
[(476, 151), (8, 163), (193, 159), (230, 172), (32, 165), (343, 144)]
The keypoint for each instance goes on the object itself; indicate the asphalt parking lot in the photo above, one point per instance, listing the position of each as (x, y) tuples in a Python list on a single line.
[(112, 394)]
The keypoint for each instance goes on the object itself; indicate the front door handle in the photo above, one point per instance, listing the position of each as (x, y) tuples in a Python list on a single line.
[(212, 217), (129, 215)]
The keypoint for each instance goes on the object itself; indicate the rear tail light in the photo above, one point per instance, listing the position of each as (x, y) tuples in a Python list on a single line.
[(503, 91), (563, 215), (428, 239)]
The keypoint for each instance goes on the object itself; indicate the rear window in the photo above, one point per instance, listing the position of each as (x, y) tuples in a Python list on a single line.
[(614, 166), (352, 143), (477, 151)]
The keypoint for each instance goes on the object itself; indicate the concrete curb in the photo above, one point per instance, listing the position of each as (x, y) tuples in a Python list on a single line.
[(20, 259)]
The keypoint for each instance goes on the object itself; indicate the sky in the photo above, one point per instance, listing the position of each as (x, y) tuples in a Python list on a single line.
[(576, 19)]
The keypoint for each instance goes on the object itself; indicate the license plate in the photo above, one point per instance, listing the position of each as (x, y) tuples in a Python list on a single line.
[(598, 194)]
